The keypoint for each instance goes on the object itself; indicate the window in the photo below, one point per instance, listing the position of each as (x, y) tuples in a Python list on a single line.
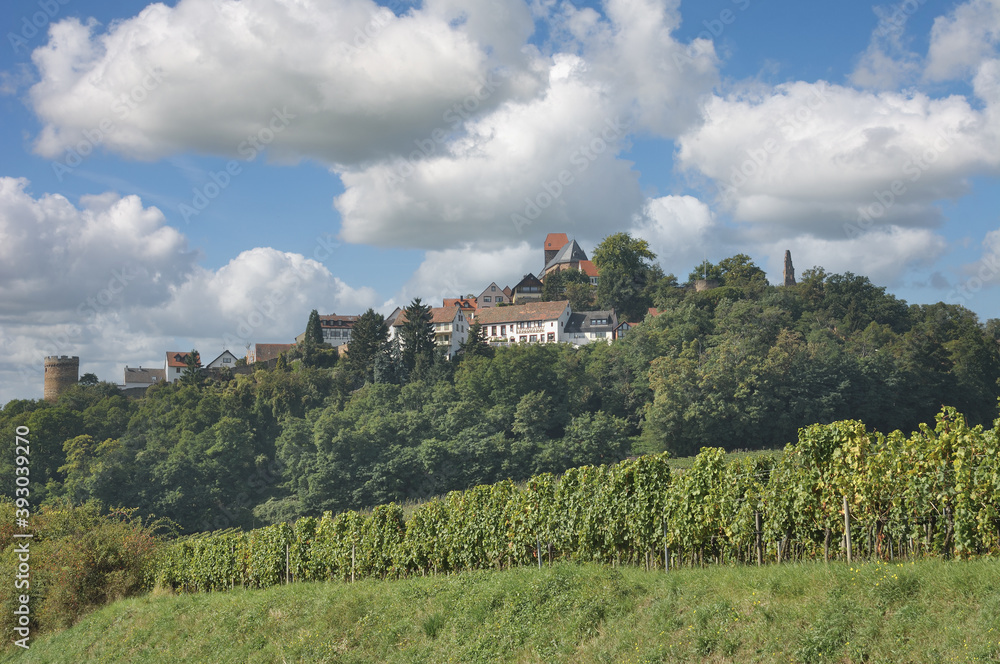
[(493, 331), (533, 338), (600, 335), (486, 298), (523, 338), (551, 336), (503, 331), (499, 298), (227, 360), (492, 288)]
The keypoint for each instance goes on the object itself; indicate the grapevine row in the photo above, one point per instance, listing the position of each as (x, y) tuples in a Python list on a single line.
[(935, 492)]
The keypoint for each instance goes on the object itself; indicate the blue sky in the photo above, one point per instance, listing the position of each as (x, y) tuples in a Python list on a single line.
[(204, 173)]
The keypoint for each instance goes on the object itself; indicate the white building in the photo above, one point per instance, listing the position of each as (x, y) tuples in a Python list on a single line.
[(586, 326), (537, 322), (451, 328)]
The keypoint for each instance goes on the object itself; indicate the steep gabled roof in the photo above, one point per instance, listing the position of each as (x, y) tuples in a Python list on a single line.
[(570, 253), (176, 359), (555, 241), (522, 312), (588, 268)]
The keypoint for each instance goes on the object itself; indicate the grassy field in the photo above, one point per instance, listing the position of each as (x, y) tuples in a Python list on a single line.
[(928, 611)]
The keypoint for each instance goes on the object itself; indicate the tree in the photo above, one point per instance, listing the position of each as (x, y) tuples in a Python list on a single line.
[(625, 268), (89, 379), (417, 336), (740, 271), (705, 270), (192, 368), (369, 341), (476, 343), (314, 331)]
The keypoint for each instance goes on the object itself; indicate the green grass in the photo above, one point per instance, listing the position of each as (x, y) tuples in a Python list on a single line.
[(925, 612)]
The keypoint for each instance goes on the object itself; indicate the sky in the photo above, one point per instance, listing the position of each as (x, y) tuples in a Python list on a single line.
[(204, 173)]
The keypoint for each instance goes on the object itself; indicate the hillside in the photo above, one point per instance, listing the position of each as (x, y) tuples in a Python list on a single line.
[(923, 611)]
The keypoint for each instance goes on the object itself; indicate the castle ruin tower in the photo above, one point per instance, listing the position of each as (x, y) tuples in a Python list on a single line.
[(61, 371), (789, 270)]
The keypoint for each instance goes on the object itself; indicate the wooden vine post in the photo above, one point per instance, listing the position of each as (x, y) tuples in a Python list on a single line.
[(847, 527)]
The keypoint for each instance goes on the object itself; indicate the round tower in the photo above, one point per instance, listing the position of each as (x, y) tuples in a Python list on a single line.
[(60, 372)]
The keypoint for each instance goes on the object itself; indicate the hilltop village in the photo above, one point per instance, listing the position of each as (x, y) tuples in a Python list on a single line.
[(519, 314)]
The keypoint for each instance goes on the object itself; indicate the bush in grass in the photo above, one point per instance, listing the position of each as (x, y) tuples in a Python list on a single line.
[(80, 560)]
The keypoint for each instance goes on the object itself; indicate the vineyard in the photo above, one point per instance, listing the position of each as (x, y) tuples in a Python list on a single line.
[(840, 492)]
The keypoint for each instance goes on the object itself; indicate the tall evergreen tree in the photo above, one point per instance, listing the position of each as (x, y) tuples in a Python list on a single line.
[(476, 344), (192, 368), (369, 340), (417, 335)]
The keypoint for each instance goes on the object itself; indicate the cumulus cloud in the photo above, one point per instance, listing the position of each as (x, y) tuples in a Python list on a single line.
[(263, 294), (55, 256), (815, 157), (677, 228), (109, 282), (884, 254), (964, 38), (442, 121), (524, 168), (355, 80), (459, 272)]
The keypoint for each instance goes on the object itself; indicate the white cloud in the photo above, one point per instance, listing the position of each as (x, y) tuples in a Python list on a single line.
[(354, 80), (812, 157), (679, 230), (525, 168), (110, 251), (261, 295), (109, 282), (963, 39), (469, 269), (884, 255)]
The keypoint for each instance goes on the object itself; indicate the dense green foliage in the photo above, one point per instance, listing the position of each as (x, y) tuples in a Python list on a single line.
[(936, 492), (742, 366), (79, 561)]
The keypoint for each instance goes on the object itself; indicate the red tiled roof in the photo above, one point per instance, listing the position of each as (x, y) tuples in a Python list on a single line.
[(588, 268), (522, 312), (176, 359), (464, 303), (555, 241)]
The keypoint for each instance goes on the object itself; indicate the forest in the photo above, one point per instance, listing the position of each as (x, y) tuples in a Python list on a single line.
[(741, 366)]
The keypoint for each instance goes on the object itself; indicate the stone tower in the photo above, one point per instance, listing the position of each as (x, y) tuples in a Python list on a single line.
[(60, 373), (789, 270)]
